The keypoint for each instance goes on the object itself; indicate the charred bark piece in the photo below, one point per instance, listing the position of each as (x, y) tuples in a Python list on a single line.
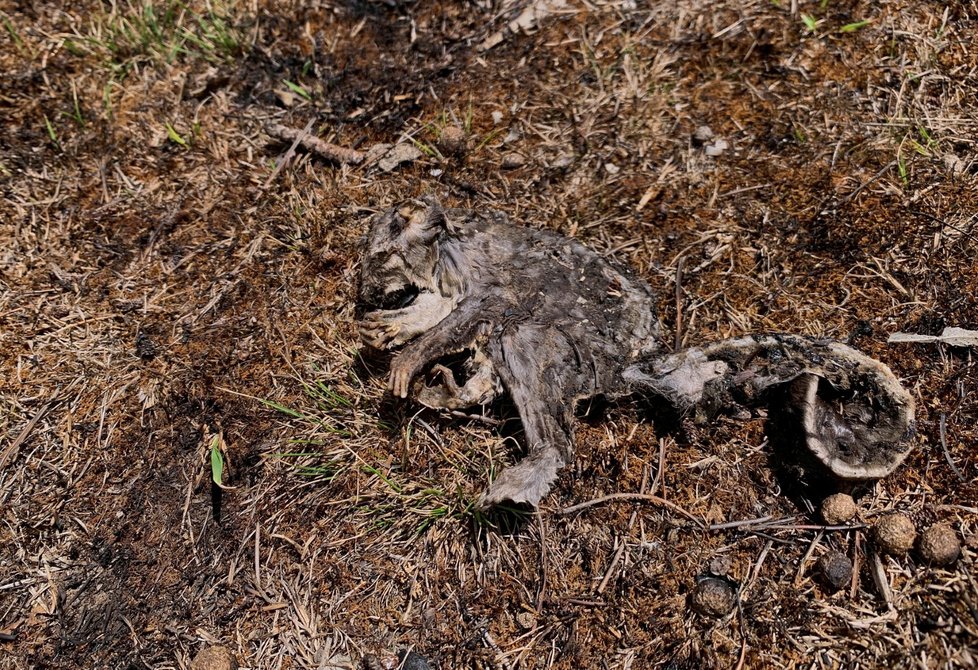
[(550, 322)]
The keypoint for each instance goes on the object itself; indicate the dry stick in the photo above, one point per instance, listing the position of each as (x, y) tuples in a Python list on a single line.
[(882, 582), (611, 568), (849, 198), (644, 497), (854, 585), (543, 565), (679, 303), (804, 559), (327, 150), (301, 135), (942, 426), (11, 451), (477, 417)]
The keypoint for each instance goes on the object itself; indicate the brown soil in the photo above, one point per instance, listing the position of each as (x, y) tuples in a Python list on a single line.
[(160, 293)]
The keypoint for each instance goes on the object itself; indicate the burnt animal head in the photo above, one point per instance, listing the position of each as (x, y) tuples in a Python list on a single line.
[(400, 255)]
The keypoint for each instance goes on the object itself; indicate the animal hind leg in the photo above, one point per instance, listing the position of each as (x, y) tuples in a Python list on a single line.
[(533, 372)]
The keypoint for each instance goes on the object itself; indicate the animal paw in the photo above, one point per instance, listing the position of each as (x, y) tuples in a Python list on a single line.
[(380, 329), (404, 367)]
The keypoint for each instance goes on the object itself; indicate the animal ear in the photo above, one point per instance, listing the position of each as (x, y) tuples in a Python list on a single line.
[(427, 222)]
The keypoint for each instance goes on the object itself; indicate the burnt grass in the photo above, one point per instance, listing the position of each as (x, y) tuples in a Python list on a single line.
[(161, 293)]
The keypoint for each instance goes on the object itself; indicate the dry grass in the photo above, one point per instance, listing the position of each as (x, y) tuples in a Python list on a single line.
[(159, 287)]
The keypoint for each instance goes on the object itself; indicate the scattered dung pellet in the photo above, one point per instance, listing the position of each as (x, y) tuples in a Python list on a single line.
[(939, 545), (838, 508), (713, 597), (895, 534), (452, 141), (835, 569), (214, 658)]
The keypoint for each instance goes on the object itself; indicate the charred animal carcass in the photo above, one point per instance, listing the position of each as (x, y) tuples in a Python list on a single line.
[(550, 322)]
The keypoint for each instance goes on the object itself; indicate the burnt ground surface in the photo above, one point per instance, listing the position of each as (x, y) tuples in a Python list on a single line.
[(164, 291)]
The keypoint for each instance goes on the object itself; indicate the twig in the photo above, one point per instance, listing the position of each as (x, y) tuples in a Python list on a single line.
[(882, 582), (757, 569), (679, 303), (11, 451), (327, 150), (942, 427), (477, 417), (856, 551), (740, 524), (849, 198), (611, 568), (643, 497), (288, 154), (543, 565), (804, 559), (660, 480)]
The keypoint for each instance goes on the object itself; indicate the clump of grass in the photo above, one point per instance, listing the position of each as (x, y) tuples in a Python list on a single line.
[(160, 32)]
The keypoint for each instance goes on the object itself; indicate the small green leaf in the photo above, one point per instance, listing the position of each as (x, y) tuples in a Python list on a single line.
[(217, 461), (810, 22), (853, 27), (295, 88), (288, 411), (174, 136), (51, 133)]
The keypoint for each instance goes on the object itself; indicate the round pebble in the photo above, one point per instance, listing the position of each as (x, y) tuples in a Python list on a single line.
[(895, 534), (713, 597), (703, 134), (939, 545), (838, 508), (835, 569), (214, 658), (512, 161)]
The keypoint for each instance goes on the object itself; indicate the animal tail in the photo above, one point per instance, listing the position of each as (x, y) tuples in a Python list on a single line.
[(843, 408)]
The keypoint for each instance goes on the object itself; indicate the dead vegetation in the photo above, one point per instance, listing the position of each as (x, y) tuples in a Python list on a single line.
[(158, 287)]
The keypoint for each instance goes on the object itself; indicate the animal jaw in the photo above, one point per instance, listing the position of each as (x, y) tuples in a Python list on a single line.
[(550, 322)]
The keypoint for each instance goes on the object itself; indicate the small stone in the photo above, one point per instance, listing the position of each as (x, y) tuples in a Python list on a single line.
[(526, 620), (512, 161), (835, 569), (562, 161), (939, 545), (399, 153), (717, 148), (612, 169), (720, 565), (895, 534), (838, 508), (703, 134), (452, 141), (497, 117), (412, 661), (214, 658), (713, 597)]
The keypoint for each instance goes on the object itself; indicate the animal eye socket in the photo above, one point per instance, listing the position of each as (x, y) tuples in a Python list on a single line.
[(400, 298)]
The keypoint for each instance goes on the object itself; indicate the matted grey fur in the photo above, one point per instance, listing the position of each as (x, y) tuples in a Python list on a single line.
[(550, 322)]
